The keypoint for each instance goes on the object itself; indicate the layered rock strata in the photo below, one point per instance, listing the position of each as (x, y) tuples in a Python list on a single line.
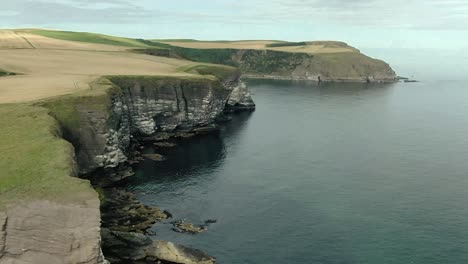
[(146, 105), (44, 232)]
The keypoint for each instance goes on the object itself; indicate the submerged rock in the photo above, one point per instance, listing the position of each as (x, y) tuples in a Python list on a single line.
[(164, 144), (155, 157), (206, 130), (185, 227)]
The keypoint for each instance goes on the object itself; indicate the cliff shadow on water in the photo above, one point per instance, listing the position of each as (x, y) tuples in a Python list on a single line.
[(188, 162), (176, 164)]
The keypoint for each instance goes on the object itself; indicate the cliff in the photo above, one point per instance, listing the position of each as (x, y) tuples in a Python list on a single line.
[(100, 126), (336, 61), (46, 216), (306, 60), (302, 66)]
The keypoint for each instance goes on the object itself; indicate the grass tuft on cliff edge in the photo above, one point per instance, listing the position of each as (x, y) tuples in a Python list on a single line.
[(221, 72)]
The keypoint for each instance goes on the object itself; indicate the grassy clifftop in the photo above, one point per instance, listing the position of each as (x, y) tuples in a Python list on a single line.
[(36, 163)]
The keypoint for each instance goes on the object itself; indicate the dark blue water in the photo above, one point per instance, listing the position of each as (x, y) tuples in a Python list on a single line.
[(340, 173)]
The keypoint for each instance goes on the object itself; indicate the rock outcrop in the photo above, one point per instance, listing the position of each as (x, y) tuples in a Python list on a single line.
[(43, 232), (174, 253), (138, 248), (240, 98)]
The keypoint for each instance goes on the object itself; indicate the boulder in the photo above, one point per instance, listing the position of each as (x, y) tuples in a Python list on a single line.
[(168, 251)]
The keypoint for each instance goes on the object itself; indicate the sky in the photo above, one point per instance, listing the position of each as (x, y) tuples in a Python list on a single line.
[(378, 27)]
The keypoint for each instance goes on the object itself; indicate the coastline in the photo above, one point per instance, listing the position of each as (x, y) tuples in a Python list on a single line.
[(93, 130), (110, 140), (315, 79), (74, 123), (127, 220)]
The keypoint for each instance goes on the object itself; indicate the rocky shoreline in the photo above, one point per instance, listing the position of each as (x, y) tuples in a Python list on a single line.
[(126, 221), (315, 79)]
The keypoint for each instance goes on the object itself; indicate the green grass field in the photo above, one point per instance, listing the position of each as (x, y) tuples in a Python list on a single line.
[(35, 162), (221, 72)]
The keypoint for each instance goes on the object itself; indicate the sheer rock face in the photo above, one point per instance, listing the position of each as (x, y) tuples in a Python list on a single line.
[(146, 106), (43, 232)]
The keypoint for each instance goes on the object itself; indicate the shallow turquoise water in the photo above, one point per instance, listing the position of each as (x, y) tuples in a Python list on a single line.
[(340, 173)]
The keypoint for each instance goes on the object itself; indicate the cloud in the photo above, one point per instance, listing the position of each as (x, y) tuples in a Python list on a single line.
[(381, 14), (417, 14), (71, 11)]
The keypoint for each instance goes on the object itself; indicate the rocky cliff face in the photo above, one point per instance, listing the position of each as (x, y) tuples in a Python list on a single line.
[(346, 66), (100, 126), (240, 97), (142, 106), (43, 232), (271, 64)]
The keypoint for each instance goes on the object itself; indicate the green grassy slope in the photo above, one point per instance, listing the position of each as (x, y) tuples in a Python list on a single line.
[(35, 162)]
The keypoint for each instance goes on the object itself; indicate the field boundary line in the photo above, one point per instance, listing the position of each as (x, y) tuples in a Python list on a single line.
[(25, 39)]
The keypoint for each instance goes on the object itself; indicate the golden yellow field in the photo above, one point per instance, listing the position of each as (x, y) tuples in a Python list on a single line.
[(52, 63), (56, 67), (11, 40), (40, 42)]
